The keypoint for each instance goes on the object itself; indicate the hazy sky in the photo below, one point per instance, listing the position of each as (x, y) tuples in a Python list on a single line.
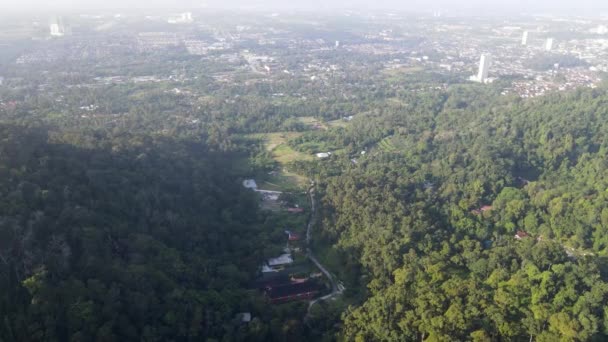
[(588, 6)]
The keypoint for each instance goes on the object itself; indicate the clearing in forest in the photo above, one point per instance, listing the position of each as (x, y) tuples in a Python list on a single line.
[(277, 143)]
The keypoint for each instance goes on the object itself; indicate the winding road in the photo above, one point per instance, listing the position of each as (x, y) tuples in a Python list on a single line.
[(336, 287)]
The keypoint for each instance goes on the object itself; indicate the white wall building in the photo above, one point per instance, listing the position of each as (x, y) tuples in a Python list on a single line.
[(56, 27), (183, 18), (549, 44), (484, 67)]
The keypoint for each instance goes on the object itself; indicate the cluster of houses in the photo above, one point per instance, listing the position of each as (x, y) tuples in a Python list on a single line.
[(279, 283), (282, 281)]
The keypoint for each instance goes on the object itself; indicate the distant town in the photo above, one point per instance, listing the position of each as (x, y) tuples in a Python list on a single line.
[(526, 56)]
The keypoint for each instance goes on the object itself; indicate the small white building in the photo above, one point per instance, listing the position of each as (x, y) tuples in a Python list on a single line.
[(323, 155), (549, 44), (250, 184), (244, 317), (183, 18), (267, 269), (284, 259)]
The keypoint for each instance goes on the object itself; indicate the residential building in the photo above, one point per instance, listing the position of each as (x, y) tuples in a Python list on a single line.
[(56, 27), (484, 67), (290, 292), (549, 44)]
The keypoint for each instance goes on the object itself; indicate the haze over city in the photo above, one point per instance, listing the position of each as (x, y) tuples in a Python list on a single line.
[(478, 7)]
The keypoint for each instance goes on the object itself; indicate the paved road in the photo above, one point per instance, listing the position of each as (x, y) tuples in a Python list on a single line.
[(313, 214), (336, 288)]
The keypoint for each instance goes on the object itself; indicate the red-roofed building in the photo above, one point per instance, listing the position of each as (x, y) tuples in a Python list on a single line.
[(294, 236), (290, 292), (295, 210), (521, 234)]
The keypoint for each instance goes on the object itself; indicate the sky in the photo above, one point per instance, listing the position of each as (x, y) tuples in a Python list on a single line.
[(512, 6)]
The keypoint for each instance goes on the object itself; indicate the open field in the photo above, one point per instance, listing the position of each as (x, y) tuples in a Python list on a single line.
[(396, 75), (337, 123), (277, 144), (284, 180)]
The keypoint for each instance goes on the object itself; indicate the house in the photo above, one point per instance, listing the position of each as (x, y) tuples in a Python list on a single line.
[(268, 195), (268, 269), (323, 155), (295, 280), (290, 292), (295, 210), (284, 259), (521, 234), (244, 317), (271, 280), (293, 236)]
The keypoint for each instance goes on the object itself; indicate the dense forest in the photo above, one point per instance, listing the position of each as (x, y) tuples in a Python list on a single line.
[(105, 235), (471, 217), (127, 237)]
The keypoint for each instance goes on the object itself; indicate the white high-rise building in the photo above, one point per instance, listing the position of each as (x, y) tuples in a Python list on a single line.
[(187, 17), (57, 29), (484, 67), (337, 44), (183, 18), (524, 38), (549, 44)]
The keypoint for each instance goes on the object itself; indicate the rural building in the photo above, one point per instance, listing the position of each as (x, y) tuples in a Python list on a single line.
[(290, 292), (250, 184)]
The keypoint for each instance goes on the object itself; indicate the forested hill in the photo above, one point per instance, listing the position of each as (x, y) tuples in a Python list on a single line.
[(427, 219), (120, 238)]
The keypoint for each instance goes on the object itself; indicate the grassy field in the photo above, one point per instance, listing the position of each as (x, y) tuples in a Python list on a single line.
[(272, 140), (277, 144), (397, 75), (284, 180), (313, 123), (337, 123)]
